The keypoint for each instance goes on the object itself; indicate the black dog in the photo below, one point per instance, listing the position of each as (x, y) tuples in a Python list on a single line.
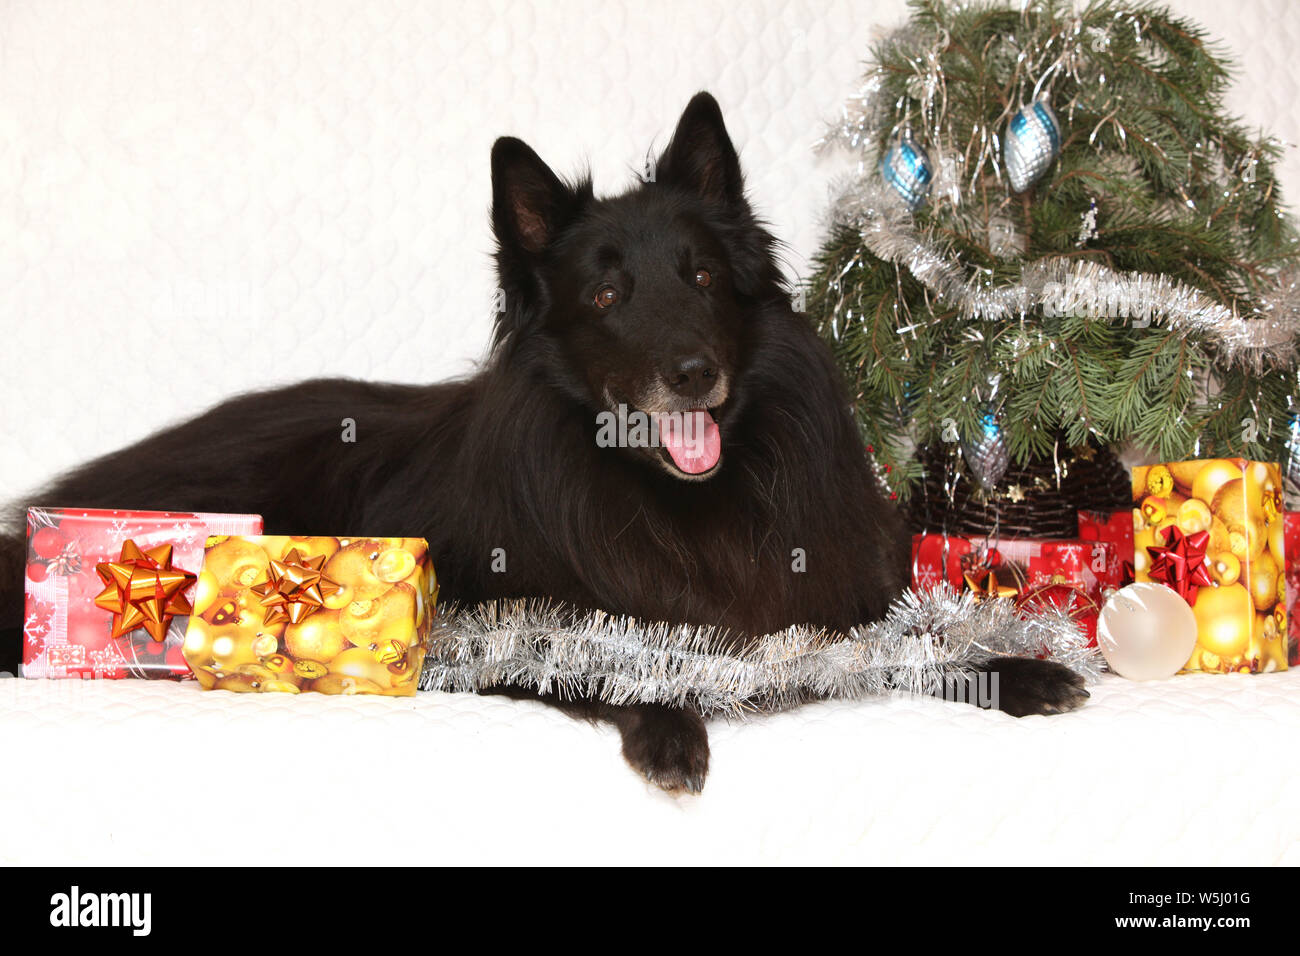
[(755, 510)]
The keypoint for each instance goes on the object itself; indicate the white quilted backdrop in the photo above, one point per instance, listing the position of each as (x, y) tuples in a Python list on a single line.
[(203, 197)]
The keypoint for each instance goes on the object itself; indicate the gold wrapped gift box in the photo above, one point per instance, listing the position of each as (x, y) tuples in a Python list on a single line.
[(292, 614), (1228, 515)]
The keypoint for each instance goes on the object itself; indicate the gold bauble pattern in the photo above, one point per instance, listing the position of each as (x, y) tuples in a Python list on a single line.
[(366, 630)]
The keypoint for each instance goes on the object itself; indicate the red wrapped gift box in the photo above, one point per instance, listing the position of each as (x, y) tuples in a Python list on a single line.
[(65, 634), (1030, 565), (1291, 539), (1115, 527)]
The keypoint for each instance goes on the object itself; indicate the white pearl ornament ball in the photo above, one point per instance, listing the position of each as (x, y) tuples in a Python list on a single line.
[(1146, 632)]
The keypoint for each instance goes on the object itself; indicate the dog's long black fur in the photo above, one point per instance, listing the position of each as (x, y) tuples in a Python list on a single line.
[(666, 298)]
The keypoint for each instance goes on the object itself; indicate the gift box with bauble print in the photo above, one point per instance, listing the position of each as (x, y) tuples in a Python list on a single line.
[(1212, 530), (336, 615)]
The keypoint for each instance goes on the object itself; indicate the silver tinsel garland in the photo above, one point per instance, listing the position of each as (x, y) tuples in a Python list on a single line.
[(1073, 287), (925, 642)]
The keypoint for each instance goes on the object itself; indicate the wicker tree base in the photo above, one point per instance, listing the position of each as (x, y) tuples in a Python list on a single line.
[(1030, 501)]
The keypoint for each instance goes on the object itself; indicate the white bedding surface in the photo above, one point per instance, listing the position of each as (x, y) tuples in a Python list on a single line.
[(1196, 770)]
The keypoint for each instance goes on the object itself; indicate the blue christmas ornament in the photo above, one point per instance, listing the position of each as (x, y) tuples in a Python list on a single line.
[(1033, 142), (906, 168), (987, 457)]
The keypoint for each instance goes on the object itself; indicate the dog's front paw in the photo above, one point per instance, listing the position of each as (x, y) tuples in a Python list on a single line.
[(669, 747), (1025, 685)]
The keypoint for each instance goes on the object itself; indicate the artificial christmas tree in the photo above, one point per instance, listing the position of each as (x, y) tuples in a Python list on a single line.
[(1058, 244)]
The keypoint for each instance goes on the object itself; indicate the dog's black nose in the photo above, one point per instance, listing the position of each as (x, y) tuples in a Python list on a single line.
[(693, 377)]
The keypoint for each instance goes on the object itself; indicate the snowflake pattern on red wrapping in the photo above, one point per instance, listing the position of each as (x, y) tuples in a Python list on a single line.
[(68, 656), (37, 625)]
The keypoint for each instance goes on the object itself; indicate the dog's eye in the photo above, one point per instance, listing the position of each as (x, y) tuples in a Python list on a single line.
[(703, 279), (606, 296)]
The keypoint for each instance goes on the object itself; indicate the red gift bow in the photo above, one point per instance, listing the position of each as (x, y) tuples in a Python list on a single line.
[(1180, 564)]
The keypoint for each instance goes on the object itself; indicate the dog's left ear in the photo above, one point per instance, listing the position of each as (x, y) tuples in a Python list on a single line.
[(700, 157)]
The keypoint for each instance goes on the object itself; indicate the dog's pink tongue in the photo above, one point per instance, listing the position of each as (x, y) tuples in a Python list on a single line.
[(692, 439)]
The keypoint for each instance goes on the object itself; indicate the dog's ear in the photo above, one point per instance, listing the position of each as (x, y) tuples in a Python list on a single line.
[(701, 158), (529, 202)]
